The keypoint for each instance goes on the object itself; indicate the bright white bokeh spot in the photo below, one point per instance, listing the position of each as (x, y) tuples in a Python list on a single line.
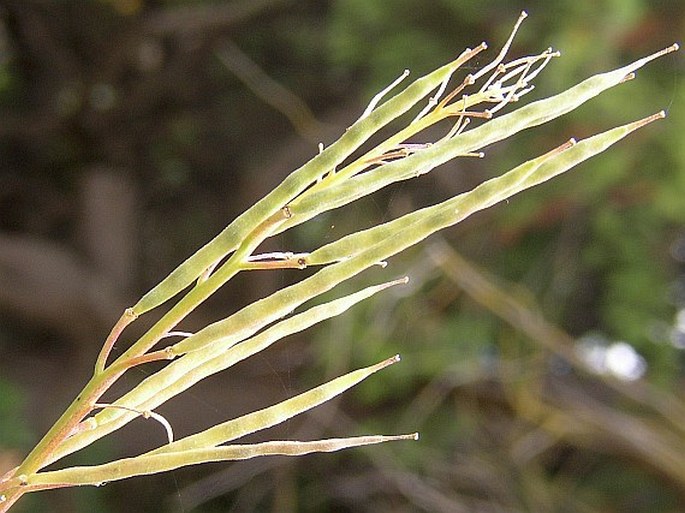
[(624, 362), (680, 320), (619, 359)]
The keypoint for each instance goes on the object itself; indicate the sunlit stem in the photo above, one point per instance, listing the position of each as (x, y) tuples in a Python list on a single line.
[(146, 414), (389, 144), (468, 81), (511, 94), (155, 356), (424, 119), (548, 56), (435, 111), (121, 469), (504, 50), (202, 291), (207, 272), (433, 101), (276, 260), (431, 118), (376, 99), (457, 128), (127, 318), (184, 334)]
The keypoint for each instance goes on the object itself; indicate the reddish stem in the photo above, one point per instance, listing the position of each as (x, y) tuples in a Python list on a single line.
[(126, 318)]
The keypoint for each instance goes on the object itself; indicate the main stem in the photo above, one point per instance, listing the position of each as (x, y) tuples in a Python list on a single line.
[(60, 430), (103, 377), (202, 291)]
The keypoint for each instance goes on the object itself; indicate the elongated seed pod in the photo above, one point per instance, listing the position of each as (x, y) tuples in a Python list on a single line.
[(497, 189), (379, 246), (348, 246), (97, 475), (497, 129), (273, 415), (212, 340), (295, 183), (183, 373)]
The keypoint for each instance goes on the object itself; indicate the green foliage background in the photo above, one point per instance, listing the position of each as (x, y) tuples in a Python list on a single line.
[(506, 424)]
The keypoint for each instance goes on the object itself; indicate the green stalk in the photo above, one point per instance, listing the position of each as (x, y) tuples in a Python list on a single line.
[(294, 184), (198, 367), (495, 130), (273, 415), (98, 475), (352, 255), (296, 200)]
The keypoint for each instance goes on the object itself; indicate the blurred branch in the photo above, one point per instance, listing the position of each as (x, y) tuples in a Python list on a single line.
[(562, 411), (205, 17), (271, 91), (590, 423), (525, 317)]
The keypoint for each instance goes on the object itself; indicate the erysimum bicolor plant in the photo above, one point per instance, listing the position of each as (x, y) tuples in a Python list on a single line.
[(336, 176)]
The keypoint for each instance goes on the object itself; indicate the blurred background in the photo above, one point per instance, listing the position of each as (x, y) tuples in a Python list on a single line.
[(543, 340)]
